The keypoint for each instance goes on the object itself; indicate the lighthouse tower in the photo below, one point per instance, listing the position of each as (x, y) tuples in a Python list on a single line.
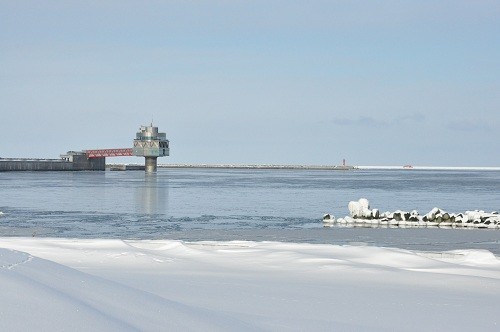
[(150, 144)]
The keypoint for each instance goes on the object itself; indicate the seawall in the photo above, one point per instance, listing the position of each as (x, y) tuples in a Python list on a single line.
[(35, 165), (76, 163)]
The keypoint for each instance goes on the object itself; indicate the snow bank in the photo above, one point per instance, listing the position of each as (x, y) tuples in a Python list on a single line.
[(361, 213), (42, 295), (69, 284)]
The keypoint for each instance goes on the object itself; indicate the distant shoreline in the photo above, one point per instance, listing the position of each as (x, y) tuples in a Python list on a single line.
[(124, 167), (304, 167), (231, 166)]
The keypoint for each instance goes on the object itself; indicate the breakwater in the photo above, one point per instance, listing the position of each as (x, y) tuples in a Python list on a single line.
[(361, 214), (261, 166)]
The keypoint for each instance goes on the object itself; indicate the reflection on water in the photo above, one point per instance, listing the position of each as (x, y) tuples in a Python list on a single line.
[(151, 196)]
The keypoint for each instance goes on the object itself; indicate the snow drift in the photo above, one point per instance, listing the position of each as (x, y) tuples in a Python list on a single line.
[(64, 284)]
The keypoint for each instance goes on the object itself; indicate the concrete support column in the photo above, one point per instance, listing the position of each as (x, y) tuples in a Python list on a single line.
[(151, 163)]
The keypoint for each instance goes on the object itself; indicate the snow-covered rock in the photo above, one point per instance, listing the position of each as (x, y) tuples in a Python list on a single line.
[(328, 218), (360, 213), (360, 209)]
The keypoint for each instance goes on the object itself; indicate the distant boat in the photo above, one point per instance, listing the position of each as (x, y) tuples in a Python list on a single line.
[(408, 167)]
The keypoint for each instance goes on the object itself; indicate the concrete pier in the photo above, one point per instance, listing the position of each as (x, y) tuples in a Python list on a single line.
[(149, 143), (18, 164), (72, 161)]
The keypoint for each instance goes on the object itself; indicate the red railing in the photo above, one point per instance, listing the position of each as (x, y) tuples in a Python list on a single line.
[(108, 153)]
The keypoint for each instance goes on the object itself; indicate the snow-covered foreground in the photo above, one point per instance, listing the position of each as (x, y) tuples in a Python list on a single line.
[(105, 285)]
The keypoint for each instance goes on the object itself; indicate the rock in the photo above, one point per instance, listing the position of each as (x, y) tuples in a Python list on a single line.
[(473, 215), (354, 209), (413, 218), (460, 219), (360, 209), (431, 215), (361, 213), (364, 203), (401, 215), (397, 215), (328, 218)]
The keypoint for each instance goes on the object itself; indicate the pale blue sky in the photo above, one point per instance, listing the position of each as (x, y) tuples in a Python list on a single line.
[(284, 82)]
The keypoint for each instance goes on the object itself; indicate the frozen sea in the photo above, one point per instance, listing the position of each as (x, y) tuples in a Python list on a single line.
[(244, 204)]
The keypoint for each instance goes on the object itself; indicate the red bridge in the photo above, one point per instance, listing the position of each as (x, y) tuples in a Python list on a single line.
[(108, 153)]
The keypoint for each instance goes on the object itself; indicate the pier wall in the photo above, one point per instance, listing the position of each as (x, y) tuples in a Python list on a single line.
[(35, 165), (78, 163), (82, 163)]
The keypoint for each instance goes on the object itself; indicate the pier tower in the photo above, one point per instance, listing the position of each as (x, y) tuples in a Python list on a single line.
[(150, 144)]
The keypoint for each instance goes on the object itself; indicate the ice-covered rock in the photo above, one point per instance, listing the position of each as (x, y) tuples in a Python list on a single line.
[(328, 218), (431, 215), (355, 209), (360, 213), (360, 209), (372, 221), (445, 215), (473, 215), (460, 219), (414, 218), (401, 215), (349, 220), (364, 203)]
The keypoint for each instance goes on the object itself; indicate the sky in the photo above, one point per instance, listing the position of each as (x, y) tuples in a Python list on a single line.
[(255, 82)]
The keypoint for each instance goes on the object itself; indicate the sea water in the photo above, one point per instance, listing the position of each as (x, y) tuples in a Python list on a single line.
[(243, 204)]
